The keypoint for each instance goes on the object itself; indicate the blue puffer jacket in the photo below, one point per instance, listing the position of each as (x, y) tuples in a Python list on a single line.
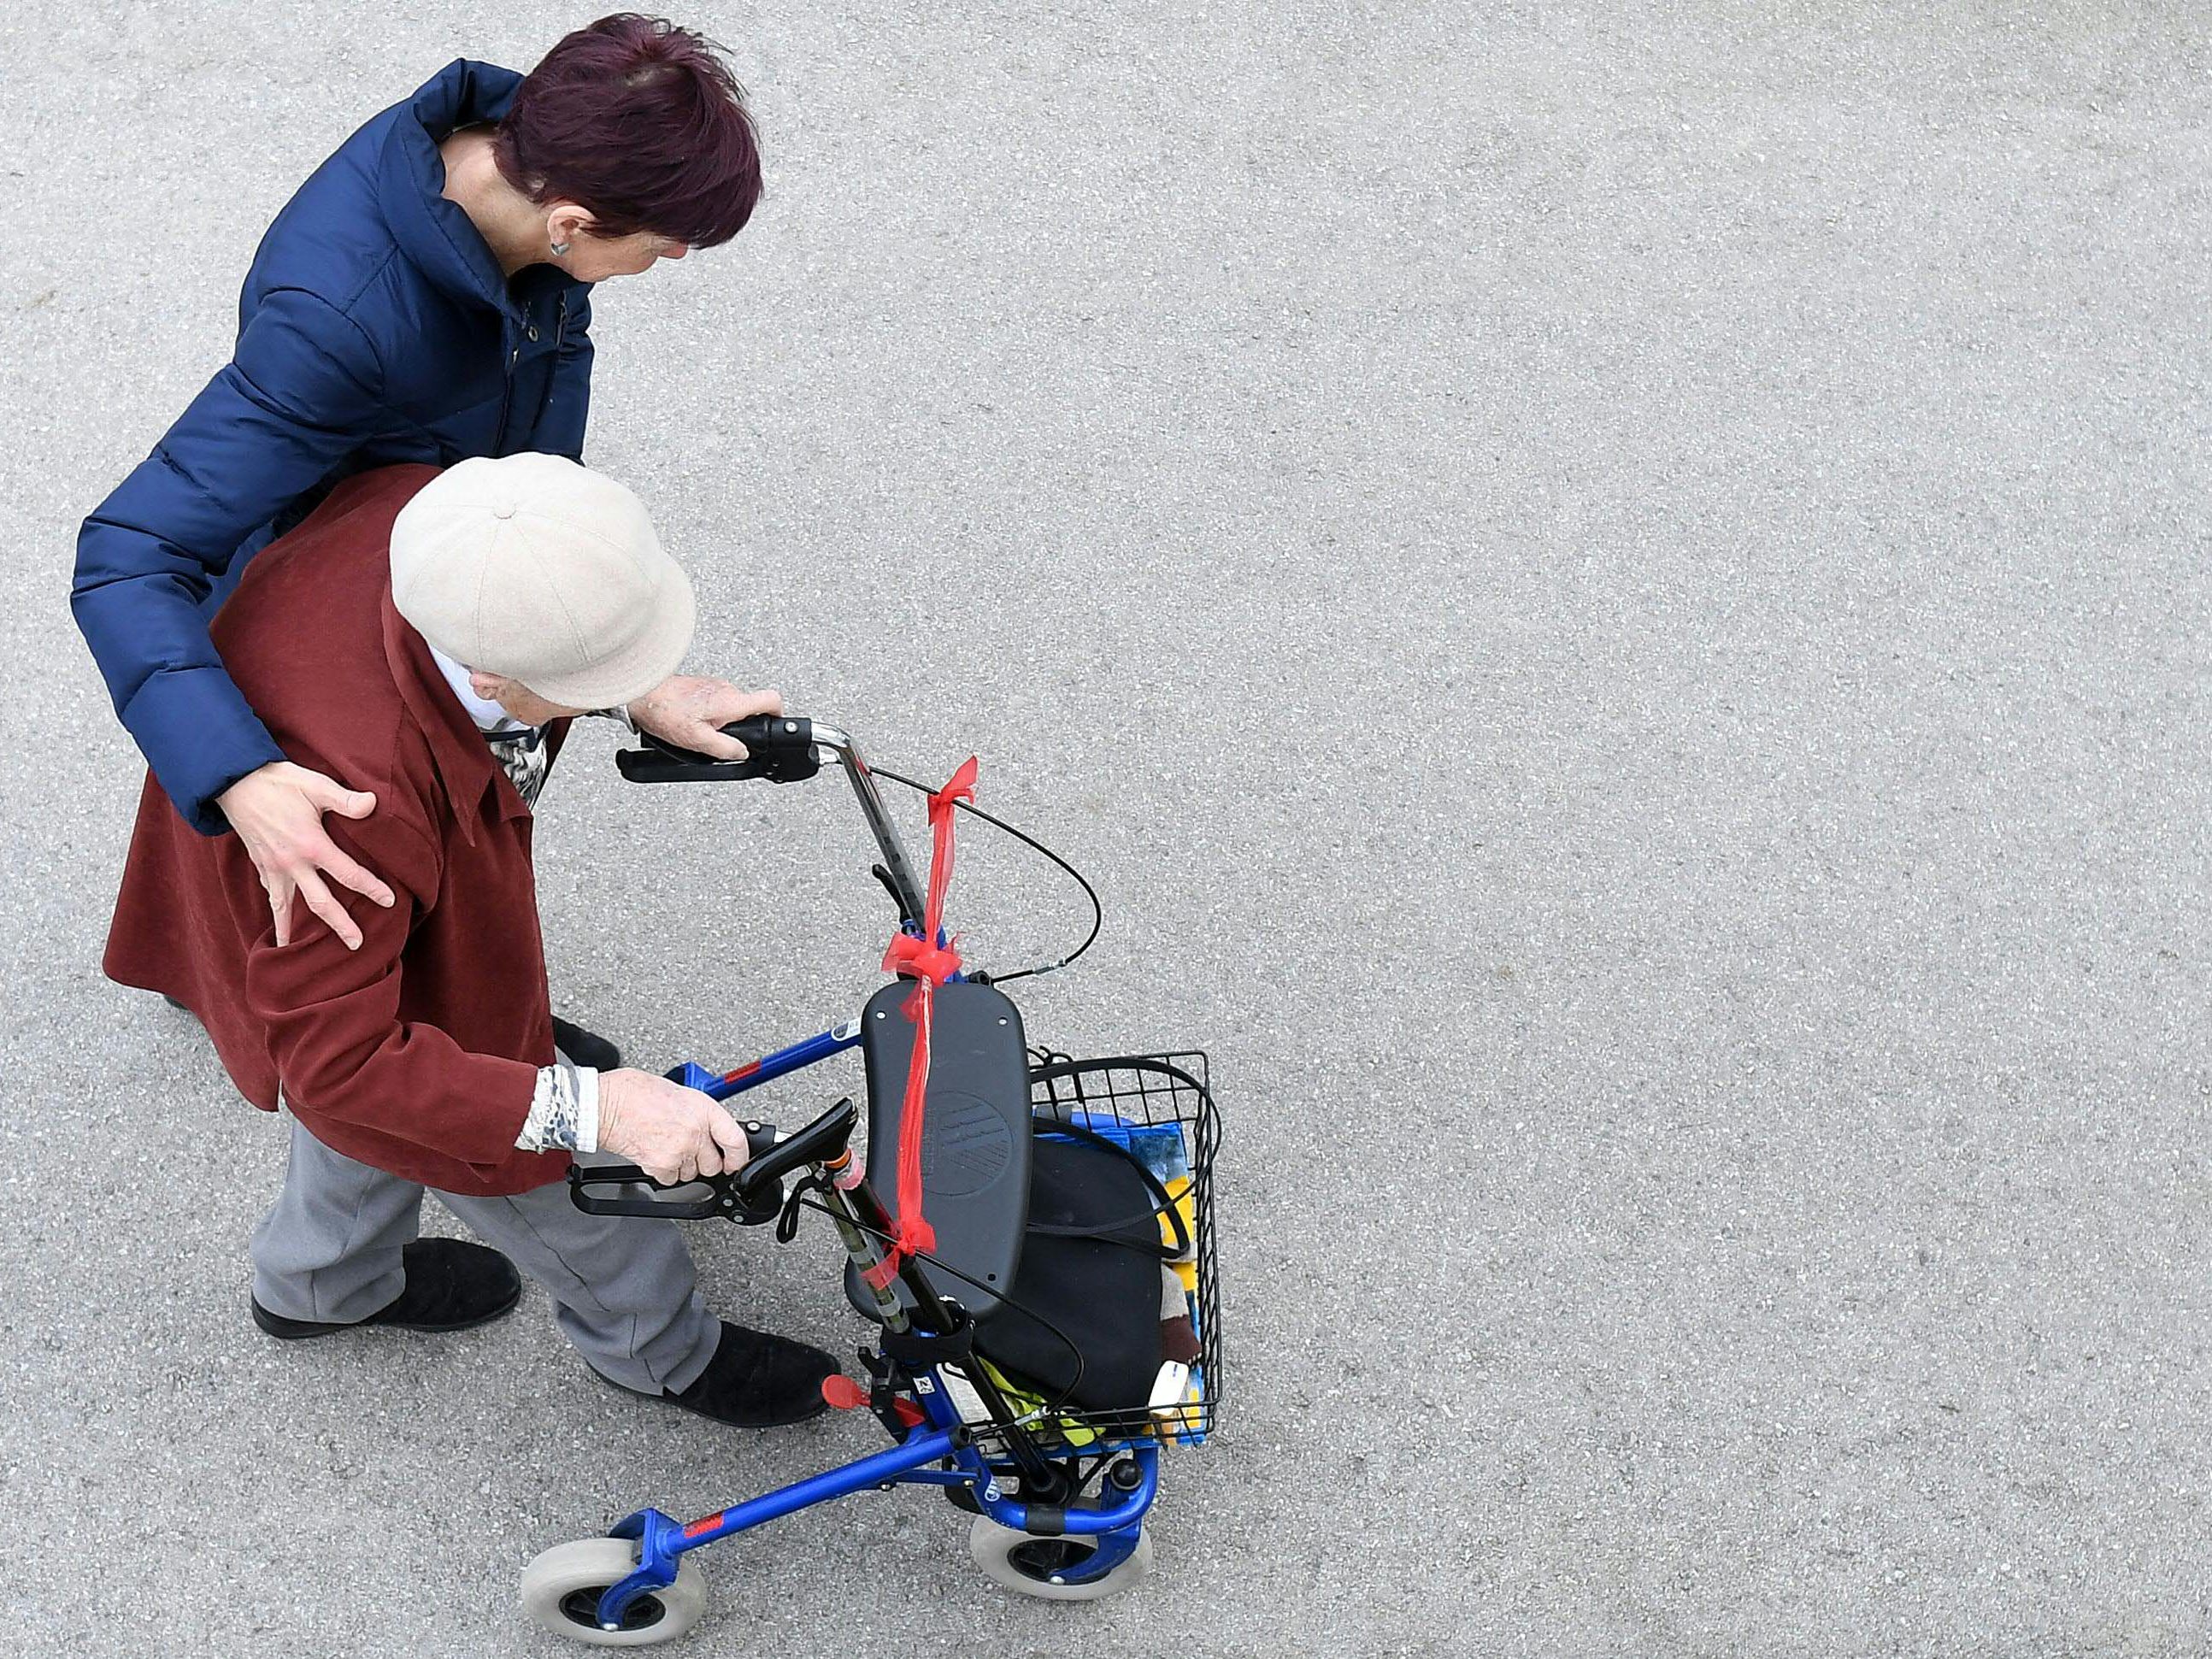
[(374, 327)]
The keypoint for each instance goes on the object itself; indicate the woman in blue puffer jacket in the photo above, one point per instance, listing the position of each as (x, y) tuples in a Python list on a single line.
[(423, 297)]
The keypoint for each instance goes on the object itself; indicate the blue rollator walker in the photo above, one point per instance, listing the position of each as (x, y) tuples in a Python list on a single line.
[(1062, 1328)]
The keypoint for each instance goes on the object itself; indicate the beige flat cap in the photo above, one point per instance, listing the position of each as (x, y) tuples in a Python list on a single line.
[(547, 571)]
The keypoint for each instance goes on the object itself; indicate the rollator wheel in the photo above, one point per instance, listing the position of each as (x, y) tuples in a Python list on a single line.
[(1028, 1565), (560, 1590)]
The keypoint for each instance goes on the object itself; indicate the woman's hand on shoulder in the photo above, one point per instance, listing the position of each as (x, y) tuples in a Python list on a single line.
[(277, 811)]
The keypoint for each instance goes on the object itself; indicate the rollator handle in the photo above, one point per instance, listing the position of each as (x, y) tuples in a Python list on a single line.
[(766, 735), (778, 747), (749, 1204), (817, 1143)]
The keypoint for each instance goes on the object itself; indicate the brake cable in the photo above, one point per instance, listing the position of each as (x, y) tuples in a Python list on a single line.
[(1097, 911)]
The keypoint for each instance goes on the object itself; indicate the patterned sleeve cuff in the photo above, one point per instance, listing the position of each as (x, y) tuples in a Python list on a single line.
[(621, 714), (564, 1111)]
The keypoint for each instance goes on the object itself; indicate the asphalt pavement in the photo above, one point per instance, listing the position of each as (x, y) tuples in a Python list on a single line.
[(1613, 596)]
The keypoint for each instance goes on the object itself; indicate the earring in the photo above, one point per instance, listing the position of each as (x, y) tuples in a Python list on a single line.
[(560, 249)]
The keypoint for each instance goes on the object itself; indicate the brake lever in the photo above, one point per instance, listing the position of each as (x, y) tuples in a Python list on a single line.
[(726, 1193)]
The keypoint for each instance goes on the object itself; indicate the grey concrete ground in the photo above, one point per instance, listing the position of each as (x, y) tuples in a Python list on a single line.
[(1612, 595)]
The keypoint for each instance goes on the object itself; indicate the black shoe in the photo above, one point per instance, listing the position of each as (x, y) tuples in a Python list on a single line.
[(755, 1381), (586, 1049), (451, 1284)]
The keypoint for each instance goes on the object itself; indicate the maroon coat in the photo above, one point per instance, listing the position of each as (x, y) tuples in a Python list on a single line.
[(418, 1053)]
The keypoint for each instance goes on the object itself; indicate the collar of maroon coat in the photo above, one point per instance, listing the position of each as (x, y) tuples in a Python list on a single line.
[(458, 750)]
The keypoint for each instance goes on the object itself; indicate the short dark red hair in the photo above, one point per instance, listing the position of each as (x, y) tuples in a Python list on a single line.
[(640, 122)]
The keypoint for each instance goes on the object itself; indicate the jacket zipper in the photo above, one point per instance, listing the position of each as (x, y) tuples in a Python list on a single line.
[(553, 364), (505, 395), (514, 358)]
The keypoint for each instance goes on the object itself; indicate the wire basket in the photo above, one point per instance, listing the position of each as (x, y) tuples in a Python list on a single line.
[(1117, 1097)]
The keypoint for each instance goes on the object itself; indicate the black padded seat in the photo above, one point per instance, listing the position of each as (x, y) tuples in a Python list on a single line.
[(975, 1136), (980, 1146)]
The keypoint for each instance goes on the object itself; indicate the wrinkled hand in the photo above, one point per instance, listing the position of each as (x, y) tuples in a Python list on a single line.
[(672, 1133), (690, 711), (277, 811)]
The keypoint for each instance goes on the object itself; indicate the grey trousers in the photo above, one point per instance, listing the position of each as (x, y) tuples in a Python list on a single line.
[(623, 1289)]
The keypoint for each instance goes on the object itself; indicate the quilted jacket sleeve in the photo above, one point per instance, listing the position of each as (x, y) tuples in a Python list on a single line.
[(300, 394)]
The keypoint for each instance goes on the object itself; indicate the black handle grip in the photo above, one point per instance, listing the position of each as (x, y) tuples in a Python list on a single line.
[(770, 734), (749, 1204), (778, 747)]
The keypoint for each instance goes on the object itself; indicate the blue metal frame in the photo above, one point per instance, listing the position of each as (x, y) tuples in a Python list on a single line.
[(661, 1539), (720, 1086)]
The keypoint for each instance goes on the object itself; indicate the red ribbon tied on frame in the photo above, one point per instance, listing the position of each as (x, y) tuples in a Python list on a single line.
[(929, 960)]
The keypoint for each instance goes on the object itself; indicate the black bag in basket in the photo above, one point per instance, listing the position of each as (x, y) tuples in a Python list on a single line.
[(1090, 1265)]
